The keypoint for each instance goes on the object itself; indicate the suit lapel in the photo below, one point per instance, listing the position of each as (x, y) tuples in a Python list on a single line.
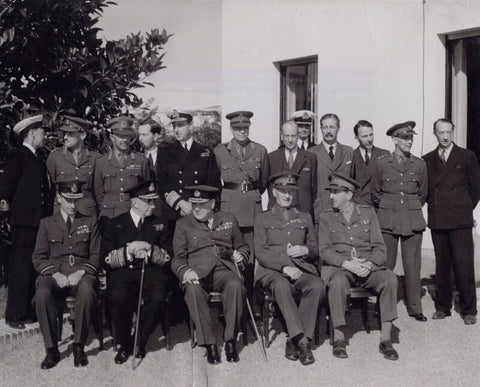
[(444, 170), (337, 158), (300, 161), (58, 218), (192, 155), (323, 155)]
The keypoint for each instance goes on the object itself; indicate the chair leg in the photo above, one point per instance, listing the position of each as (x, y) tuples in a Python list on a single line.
[(166, 323), (266, 322), (365, 314), (317, 330), (60, 326), (193, 341), (99, 324), (245, 330)]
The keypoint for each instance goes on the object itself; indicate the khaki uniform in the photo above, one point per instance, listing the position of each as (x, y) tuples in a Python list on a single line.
[(399, 192), (272, 235), (112, 180), (62, 167), (338, 240)]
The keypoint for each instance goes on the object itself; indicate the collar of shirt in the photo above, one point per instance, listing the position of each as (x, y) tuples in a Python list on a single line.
[(135, 217), (304, 142), (152, 152), (347, 212), (32, 149), (363, 151), (189, 143), (327, 146), (293, 153), (447, 151), (65, 216)]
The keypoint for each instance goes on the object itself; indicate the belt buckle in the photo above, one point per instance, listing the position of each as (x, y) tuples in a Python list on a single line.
[(71, 259), (244, 186), (122, 197)]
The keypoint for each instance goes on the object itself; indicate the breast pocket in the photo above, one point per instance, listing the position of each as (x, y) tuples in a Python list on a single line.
[(109, 180), (275, 236), (300, 235), (82, 244), (389, 183), (55, 244), (134, 176), (227, 173), (253, 169), (85, 174), (412, 183), (64, 176)]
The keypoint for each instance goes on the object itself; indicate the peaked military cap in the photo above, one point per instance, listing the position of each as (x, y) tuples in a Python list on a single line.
[(145, 190), (285, 179), (201, 193), (36, 121), (303, 116), (122, 125), (403, 129), (178, 116), (340, 181), (71, 189), (240, 119), (75, 124)]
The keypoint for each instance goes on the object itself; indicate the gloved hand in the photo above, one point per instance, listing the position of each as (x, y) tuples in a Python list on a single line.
[(61, 279), (292, 272), (190, 277), (75, 277), (296, 251), (185, 207)]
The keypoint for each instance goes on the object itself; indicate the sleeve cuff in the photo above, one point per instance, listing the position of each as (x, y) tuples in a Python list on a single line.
[(89, 268), (116, 258), (172, 199), (159, 256)]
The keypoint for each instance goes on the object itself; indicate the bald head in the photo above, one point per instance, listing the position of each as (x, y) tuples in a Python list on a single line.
[(290, 134)]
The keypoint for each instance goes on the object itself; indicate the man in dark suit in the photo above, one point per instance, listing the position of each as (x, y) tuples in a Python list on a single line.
[(364, 160), (66, 258), (128, 240), (331, 157), (304, 120), (453, 193), (183, 163), (26, 192), (298, 161), (208, 246)]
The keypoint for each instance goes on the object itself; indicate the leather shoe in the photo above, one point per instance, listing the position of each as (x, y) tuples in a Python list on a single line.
[(419, 317), (387, 350), (140, 353), (469, 319), (15, 323), (79, 357), (440, 315), (231, 351), (122, 355), (51, 360), (213, 356), (291, 351), (340, 349), (305, 352)]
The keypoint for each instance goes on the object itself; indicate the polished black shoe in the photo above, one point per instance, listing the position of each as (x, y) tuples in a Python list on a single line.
[(440, 315), (305, 353), (15, 323), (291, 351), (79, 357), (122, 355), (387, 350), (213, 356), (340, 349), (140, 353), (231, 351), (470, 319), (419, 317), (51, 360)]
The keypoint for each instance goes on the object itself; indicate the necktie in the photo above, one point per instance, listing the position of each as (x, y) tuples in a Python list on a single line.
[(443, 156), (303, 145), (140, 225), (290, 160), (69, 224), (76, 157), (243, 151), (121, 159), (186, 147), (285, 214), (330, 152), (150, 160), (367, 158)]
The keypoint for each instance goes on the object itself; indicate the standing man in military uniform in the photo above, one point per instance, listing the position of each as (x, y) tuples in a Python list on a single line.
[(127, 240), (399, 190), (331, 157), (26, 196), (66, 258), (292, 158), (75, 162), (287, 253), (182, 163), (304, 120), (119, 170), (353, 254), (209, 249)]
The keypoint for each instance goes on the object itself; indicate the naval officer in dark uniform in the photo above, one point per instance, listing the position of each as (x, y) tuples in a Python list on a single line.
[(353, 254), (66, 258), (399, 190), (209, 248)]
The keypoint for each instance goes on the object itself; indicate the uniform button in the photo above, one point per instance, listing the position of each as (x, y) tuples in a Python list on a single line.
[(348, 227), (351, 238), (401, 193), (180, 182), (104, 206), (121, 188), (196, 181), (70, 247), (402, 201), (288, 233), (243, 163), (121, 179), (121, 170), (401, 174), (195, 172), (69, 236), (179, 172), (180, 191), (76, 168), (401, 183), (76, 177)]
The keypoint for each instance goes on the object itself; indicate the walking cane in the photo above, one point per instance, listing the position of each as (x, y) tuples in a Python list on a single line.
[(254, 325), (137, 323)]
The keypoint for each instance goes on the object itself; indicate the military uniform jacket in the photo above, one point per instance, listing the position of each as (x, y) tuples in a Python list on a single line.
[(362, 173), (26, 187), (399, 192), (57, 250), (272, 235), (194, 244), (337, 238), (305, 166), (122, 230), (62, 167), (111, 180), (178, 168), (453, 189), (236, 168), (341, 163)]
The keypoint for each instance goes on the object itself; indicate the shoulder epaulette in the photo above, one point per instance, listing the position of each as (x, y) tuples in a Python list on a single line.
[(383, 156)]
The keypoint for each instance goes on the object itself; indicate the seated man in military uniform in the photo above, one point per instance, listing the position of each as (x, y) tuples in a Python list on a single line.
[(66, 257), (286, 250), (353, 254), (209, 248), (127, 240)]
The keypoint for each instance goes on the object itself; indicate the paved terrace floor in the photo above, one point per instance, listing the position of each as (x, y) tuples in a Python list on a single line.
[(436, 353)]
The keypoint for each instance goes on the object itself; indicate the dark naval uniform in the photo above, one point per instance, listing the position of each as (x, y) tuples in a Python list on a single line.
[(207, 249), (360, 237), (63, 251), (399, 192), (274, 230), (62, 167)]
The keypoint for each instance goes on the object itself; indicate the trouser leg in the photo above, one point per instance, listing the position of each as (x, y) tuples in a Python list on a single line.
[(384, 284), (312, 289), (338, 290), (443, 252), (391, 242), (47, 301), (197, 302), (412, 261), (85, 307)]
